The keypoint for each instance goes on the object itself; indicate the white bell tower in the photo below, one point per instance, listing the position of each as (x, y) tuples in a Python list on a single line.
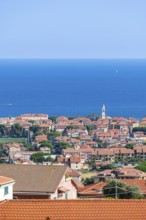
[(103, 112)]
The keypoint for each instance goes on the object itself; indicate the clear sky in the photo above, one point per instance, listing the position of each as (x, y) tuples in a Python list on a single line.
[(72, 28)]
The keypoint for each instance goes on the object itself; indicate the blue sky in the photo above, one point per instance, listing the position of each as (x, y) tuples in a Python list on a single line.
[(72, 28)]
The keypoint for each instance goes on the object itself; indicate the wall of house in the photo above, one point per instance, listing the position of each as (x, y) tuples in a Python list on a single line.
[(9, 195), (66, 183), (76, 166)]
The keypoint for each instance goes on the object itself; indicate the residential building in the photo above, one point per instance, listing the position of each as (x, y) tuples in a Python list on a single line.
[(6, 188), (40, 181)]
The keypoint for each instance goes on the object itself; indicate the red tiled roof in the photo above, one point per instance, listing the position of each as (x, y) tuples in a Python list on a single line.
[(105, 152), (130, 172), (73, 210), (75, 159), (92, 188), (5, 180), (138, 182), (72, 172)]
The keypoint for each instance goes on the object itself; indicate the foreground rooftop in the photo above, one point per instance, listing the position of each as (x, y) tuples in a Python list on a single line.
[(73, 210)]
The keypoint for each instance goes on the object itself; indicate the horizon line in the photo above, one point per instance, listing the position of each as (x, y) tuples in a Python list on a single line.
[(68, 58)]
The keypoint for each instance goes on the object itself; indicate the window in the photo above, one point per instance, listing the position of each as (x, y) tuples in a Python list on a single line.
[(66, 195), (6, 190)]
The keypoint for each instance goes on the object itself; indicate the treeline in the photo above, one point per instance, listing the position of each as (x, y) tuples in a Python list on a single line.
[(141, 166), (143, 129), (15, 131)]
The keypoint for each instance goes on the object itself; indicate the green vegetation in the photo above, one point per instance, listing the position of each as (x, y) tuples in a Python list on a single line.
[(71, 127), (90, 127), (143, 129), (142, 166), (92, 164), (120, 190), (32, 121), (36, 130), (41, 157), (10, 140), (52, 135), (87, 181), (117, 126), (62, 145), (100, 144), (3, 130), (107, 167), (46, 144), (71, 117), (134, 160), (17, 131), (93, 116), (53, 118), (129, 146)]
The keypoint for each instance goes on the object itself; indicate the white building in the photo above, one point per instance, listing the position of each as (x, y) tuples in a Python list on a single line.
[(103, 112), (6, 188), (34, 117)]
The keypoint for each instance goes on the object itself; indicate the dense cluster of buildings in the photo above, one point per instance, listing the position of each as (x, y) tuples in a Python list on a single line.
[(104, 139), (83, 141)]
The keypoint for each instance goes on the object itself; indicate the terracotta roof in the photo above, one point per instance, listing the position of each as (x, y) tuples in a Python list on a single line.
[(73, 210), (92, 189), (72, 173), (34, 178), (106, 173), (105, 152), (5, 180), (130, 172), (75, 159), (138, 182), (77, 183)]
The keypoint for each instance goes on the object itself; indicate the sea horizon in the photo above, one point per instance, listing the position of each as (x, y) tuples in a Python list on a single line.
[(73, 87)]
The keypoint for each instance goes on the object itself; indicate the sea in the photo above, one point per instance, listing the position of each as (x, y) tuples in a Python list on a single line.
[(73, 87)]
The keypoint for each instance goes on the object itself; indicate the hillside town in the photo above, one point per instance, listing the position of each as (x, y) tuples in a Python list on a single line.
[(67, 158)]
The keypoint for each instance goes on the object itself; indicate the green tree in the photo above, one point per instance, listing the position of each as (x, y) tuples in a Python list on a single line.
[(3, 130), (17, 131), (62, 145), (143, 129), (71, 117), (32, 121), (107, 167), (29, 146), (71, 127), (53, 118), (46, 144), (142, 166), (36, 130), (120, 190), (100, 144), (40, 157), (52, 135), (88, 181), (90, 127), (93, 116), (117, 126), (129, 146)]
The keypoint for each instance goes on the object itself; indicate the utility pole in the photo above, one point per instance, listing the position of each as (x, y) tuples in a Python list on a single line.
[(116, 189)]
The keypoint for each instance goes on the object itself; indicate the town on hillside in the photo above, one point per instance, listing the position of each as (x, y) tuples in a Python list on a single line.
[(57, 158)]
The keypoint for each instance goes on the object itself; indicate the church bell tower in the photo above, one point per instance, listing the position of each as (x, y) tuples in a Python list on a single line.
[(103, 112)]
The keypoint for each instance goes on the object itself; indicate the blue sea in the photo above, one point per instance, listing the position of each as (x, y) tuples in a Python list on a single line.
[(73, 87)]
